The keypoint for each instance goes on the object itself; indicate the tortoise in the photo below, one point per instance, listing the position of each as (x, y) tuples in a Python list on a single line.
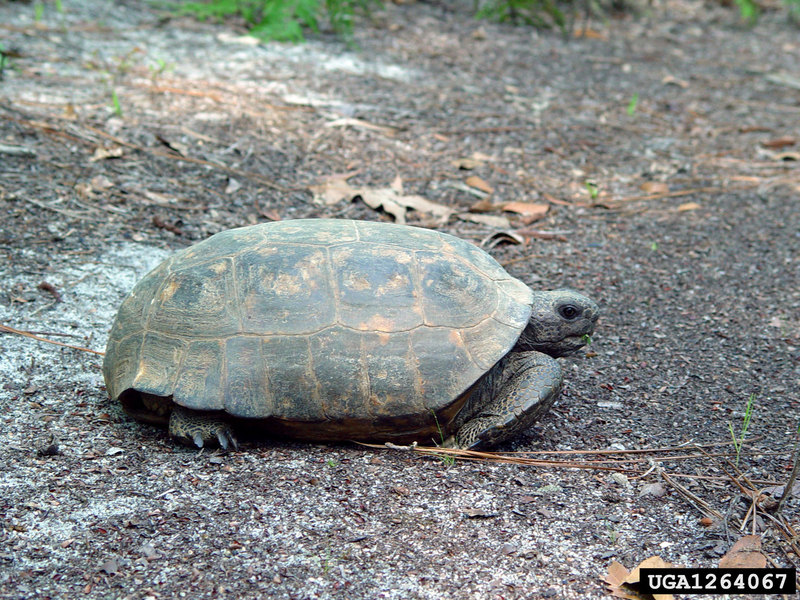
[(331, 330)]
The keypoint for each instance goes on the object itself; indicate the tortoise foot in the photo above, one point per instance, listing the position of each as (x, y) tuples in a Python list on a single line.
[(201, 429)]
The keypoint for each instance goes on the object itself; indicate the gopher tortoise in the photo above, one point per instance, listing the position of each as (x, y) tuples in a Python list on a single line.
[(330, 330)]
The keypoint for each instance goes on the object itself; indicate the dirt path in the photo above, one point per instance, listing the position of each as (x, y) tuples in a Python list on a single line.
[(666, 153)]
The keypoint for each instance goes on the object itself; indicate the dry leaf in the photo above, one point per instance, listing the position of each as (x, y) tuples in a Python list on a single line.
[(745, 554), (654, 187), (498, 237), (101, 153), (101, 183), (626, 585), (391, 199), (156, 198), (787, 156), (479, 34), (394, 202), (590, 34), (478, 183), (333, 189), (531, 211), (670, 80), (483, 206), (490, 220), (778, 143), (688, 206), (233, 186)]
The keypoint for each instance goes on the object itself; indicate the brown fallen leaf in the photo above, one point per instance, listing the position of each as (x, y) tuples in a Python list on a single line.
[(396, 203), (101, 183), (778, 143), (590, 34), (654, 187), (478, 183), (623, 584), (496, 221), (671, 80), (530, 211), (745, 554), (102, 153), (233, 186), (500, 237), (688, 206), (333, 189), (482, 206), (390, 199)]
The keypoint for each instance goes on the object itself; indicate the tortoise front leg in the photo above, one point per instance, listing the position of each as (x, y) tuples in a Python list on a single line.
[(513, 395), (201, 428)]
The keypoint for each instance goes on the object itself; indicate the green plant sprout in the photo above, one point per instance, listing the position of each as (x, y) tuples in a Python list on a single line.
[(748, 414), (115, 103), (281, 20), (613, 535), (592, 188), (748, 10), (3, 60), (632, 105), (448, 460)]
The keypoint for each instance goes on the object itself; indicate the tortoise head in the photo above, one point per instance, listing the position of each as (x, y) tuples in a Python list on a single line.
[(561, 322)]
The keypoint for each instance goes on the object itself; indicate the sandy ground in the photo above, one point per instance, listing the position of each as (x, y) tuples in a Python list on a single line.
[(685, 127)]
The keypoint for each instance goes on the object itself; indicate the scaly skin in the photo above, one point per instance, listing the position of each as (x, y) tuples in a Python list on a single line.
[(201, 429), (525, 383), (521, 388)]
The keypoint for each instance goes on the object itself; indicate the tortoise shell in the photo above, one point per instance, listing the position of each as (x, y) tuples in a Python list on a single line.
[(318, 320)]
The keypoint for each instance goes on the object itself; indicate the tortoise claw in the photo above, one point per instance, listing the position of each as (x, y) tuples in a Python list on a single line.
[(227, 441), (201, 429)]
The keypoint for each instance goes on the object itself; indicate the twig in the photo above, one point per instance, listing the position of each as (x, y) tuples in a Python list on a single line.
[(189, 159), (69, 213), (787, 490), (27, 334), (701, 504), (676, 194)]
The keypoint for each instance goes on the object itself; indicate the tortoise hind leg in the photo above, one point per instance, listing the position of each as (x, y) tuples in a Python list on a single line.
[(201, 429), (517, 391)]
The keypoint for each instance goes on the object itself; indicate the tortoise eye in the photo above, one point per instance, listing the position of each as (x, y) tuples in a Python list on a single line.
[(569, 311)]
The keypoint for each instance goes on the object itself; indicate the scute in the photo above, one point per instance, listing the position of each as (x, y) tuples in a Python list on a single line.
[(318, 321)]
